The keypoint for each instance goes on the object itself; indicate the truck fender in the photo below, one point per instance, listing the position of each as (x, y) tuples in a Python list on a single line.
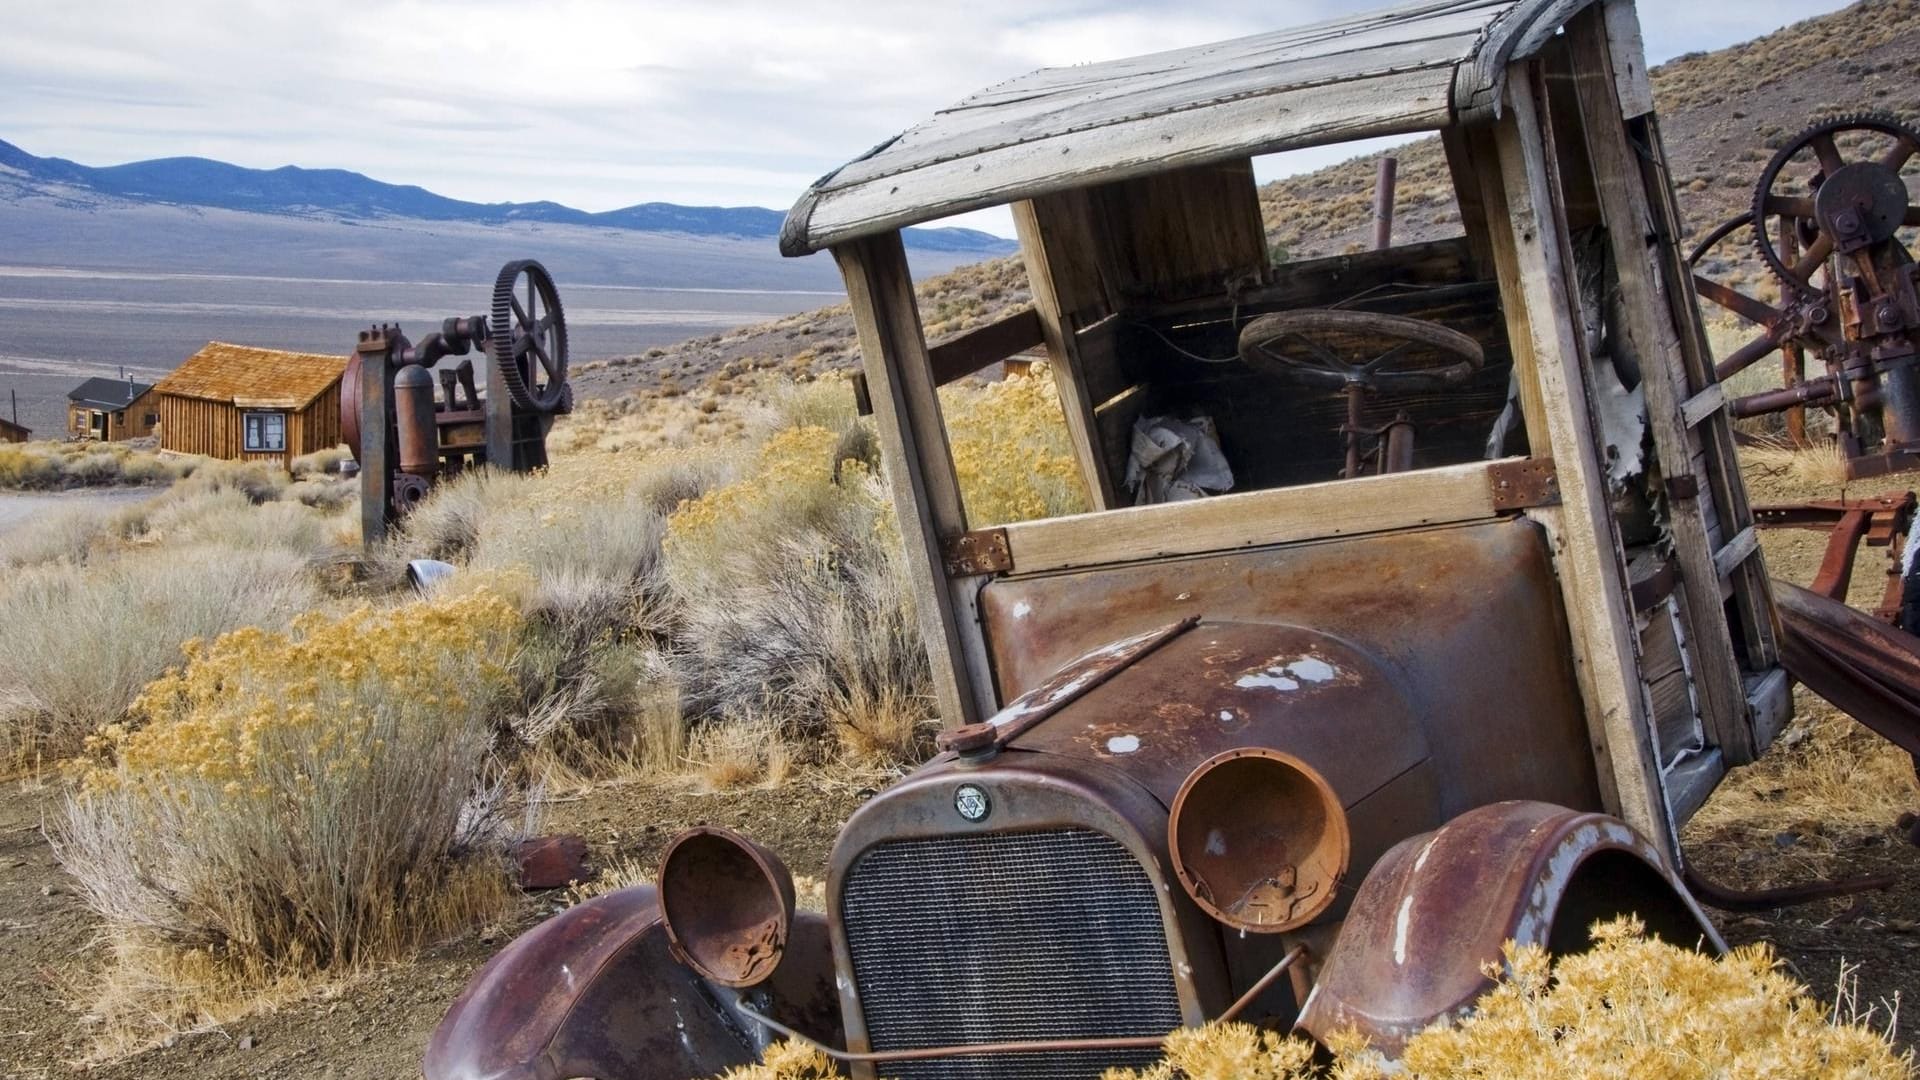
[(1436, 910), (595, 992)]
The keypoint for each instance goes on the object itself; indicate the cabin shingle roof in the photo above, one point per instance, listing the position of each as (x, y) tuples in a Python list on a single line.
[(107, 393), (247, 376)]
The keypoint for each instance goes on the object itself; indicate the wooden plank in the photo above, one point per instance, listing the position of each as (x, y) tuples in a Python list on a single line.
[(919, 465), (957, 358), (1703, 404), (1468, 195), (1513, 297), (1736, 552), (1056, 241), (1690, 782), (1407, 22), (1629, 57), (1749, 589), (1654, 341), (1770, 702), (1396, 103), (1592, 569), (1370, 504), (1189, 232), (1197, 91)]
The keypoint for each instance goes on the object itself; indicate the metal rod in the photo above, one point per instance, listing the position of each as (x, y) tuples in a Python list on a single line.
[(1727, 898), (1030, 1046), (1293, 956), (1383, 203)]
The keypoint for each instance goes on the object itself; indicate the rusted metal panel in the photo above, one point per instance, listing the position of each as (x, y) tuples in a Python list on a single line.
[(1466, 615), (982, 551), (1524, 483), (1437, 910), (595, 992)]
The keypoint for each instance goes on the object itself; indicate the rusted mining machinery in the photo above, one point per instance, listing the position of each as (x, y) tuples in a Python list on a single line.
[(1826, 221), (406, 438)]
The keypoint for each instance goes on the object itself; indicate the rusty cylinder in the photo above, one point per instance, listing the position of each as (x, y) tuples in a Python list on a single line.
[(413, 415), (1383, 186)]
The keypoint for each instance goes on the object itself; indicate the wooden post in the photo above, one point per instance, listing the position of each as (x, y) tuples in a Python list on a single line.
[(1051, 299), (1652, 336), (919, 466), (376, 451), (1591, 568)]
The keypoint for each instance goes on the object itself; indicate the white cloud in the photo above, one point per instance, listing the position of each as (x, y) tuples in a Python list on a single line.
[(595, 103)]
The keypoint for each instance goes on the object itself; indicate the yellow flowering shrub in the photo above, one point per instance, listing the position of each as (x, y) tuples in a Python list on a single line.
[(794, 613), (305, 800), (1011, 450), (790, 476), (1632, 1008)]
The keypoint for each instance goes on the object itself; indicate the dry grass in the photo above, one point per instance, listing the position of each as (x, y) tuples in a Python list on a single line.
[(50, 466), (295, 804), (78, 643)]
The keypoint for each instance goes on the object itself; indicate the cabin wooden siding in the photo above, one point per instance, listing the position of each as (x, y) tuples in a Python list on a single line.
[(218, 428), (11, 432), (204, 404), (130, 422)]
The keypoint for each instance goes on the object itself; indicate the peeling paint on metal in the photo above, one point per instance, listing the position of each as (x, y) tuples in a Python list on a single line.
[(1312, 669), (1123, 744), (1270, 679), (1402, 922), (1022, 609)]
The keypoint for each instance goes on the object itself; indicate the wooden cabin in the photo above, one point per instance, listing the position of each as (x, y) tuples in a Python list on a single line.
[(12, 432), (110, 410), (250, 404)]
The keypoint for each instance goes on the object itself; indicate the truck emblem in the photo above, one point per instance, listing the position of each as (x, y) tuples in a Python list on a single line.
[(972, 802)]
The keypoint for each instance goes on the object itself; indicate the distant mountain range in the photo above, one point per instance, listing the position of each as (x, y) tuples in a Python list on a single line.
[(337, 193)]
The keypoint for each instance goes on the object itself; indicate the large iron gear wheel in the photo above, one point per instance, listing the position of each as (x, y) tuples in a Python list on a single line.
[(1819, 136), (519, 333)]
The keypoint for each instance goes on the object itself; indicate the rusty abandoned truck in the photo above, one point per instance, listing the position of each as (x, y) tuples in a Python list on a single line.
[(1418, 608)]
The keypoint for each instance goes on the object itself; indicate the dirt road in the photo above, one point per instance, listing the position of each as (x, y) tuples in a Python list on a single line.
[(19, 507)]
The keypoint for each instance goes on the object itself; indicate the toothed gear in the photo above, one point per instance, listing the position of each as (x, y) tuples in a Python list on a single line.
[(528, 393), (1884, 123)]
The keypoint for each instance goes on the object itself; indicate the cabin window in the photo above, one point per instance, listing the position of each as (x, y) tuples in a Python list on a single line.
[(266, 432)]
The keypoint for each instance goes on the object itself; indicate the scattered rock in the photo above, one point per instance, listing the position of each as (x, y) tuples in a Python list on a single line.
[(1785, 839), (246, 1042)]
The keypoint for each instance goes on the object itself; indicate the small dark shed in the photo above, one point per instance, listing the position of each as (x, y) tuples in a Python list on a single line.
[(111, 410)]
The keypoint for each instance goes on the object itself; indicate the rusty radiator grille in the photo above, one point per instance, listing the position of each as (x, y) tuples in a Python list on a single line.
[(1007, 936)]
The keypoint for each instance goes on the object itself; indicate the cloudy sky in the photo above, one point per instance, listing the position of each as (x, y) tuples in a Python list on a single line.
[(594, 103)]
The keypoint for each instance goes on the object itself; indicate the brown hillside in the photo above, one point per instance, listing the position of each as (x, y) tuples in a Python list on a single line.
[(1722, 114)]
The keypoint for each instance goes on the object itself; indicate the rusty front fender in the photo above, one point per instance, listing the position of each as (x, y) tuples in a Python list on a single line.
[(594, 992), (1437, 908)]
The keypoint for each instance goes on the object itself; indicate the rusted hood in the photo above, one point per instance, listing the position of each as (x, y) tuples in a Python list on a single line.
[(1156, 712)]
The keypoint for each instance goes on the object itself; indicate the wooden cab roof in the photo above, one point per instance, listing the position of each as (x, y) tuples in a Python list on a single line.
[(1417, 67)]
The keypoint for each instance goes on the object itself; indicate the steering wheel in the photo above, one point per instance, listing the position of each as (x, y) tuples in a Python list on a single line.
[(1309, 346)]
